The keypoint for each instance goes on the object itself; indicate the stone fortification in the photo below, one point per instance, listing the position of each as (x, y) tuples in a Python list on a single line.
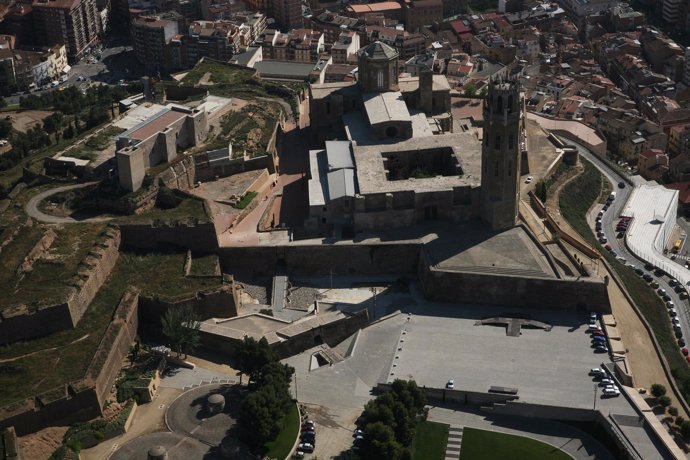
[(82, 399), (194, 235), (20, 322)]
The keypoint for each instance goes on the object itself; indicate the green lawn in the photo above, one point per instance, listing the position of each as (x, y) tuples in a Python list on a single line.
[(281, 446), (429, 442), (246, 199), (490, 445)]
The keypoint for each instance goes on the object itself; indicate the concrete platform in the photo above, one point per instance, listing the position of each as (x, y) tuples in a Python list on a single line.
[(510, 252), (178, 447)]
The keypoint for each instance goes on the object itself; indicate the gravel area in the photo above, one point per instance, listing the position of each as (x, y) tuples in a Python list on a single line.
[(300, 297), (259, 288)]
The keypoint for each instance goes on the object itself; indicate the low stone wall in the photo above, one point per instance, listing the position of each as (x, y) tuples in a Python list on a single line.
[(199, 237), (457, 396), (206, 170)]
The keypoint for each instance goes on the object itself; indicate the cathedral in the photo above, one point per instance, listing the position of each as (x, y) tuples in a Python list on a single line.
[(391, 158)]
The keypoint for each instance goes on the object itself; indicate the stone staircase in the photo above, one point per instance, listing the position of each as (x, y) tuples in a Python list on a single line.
[(454, 442), (330, 354), (210, 381)]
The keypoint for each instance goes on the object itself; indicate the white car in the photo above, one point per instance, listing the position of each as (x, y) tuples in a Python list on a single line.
[(450, 384), (306, 447), (596, 371), (611, 392), (606, 382), (529, 180)]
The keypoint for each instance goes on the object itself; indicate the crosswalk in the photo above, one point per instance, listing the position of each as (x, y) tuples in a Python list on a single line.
[(454, 442)]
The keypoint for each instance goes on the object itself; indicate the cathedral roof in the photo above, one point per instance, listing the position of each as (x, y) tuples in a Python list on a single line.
[(378, 50)]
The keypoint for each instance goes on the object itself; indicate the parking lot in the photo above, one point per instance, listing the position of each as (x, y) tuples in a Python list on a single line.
[(442, 342)]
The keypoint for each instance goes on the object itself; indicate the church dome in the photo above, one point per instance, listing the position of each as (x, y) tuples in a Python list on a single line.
[(378, 51)]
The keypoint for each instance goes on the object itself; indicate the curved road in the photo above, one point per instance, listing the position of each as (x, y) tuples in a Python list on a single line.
[(33, 211), (610, 220)]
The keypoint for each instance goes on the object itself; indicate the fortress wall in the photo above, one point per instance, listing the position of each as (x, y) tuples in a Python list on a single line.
[(199, 237), (222, 302), (95, 270), (496, 289), (21, 322), (308, 260), (114, 346)]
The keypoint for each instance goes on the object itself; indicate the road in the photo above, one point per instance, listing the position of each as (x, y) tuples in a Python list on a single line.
[(33, 211), (610, 220), (116, 63)]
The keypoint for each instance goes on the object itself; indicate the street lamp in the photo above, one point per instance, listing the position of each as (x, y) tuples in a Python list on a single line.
[(595, 397), (374, 290)]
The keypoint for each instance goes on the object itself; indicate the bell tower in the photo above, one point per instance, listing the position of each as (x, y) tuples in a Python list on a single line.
[(500, 191)]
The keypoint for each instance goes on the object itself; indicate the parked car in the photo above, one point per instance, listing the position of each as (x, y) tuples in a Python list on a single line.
[(666, 297), (654, 284), (605, 382), (597, 371), (647, 277), (306, 447), (603, 240), (658, 272), (683, 295), (601, 349), (681, 342), (684, 351), (450, 384), (639, 271), (598, 334), (672, 312), (621, 184), (673, 282), (611, 392)]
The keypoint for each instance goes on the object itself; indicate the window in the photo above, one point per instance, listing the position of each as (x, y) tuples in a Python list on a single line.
[(510, 103), (497, 142), (328, 107), (499, 104), (511, 141), (496, 169), (379, 79), (510, 168)]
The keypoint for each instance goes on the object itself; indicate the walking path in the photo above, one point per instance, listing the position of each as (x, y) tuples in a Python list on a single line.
[(33, 211)]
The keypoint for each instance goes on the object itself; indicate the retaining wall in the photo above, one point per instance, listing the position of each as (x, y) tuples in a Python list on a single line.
[(199, 237), (310, 260)]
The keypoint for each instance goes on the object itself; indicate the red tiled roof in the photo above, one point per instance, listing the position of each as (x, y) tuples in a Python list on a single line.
[(460, 27), (683, 189), (651, 153)]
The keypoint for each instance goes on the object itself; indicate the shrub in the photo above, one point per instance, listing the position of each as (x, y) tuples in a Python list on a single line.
[(685, 429), (673, 411), (658, 390), (664, 401), (679, 420)]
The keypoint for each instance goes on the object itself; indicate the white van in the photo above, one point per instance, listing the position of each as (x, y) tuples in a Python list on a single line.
[(612, 196)]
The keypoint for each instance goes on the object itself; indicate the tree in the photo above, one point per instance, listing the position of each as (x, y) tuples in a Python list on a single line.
[(658, 390), (181, 326), (673, 411), (379, 442), (252, 356), (470, 89), (3, 102), (5, 128), (679, 420), (52, 124), (134, 352), (664, 401), (68, 133)]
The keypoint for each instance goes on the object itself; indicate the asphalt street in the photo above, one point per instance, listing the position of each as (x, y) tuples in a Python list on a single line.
[(610, 220)]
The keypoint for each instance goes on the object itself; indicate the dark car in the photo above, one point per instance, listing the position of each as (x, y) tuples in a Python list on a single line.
[(659, 272), (679, 334), (601, 349), (639, 271), (598, 333), (309, 437), (620, 235), (621, 184), (666, 297), (649, 266), (647, 277), (681, 342), (679, 288)]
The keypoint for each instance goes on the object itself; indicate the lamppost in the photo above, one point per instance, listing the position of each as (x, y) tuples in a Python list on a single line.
[(374, 290), (595, 397)]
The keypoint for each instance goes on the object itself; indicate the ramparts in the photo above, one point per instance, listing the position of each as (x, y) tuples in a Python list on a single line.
[(20, 322), (83, 399), (194, 235)]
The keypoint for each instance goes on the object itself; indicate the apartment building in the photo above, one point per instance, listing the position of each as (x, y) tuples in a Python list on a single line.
[(151, 35), (73, 23)]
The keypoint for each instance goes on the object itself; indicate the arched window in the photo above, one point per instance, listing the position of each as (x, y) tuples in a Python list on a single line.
[(497, 142), (510, 104), (499, 104), (379, 79)]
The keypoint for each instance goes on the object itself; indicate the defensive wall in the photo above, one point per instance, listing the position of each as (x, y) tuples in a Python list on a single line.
[(308, 260), (20, 322), (82, 399), (221, 302), (194, 235), (518, 291)]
